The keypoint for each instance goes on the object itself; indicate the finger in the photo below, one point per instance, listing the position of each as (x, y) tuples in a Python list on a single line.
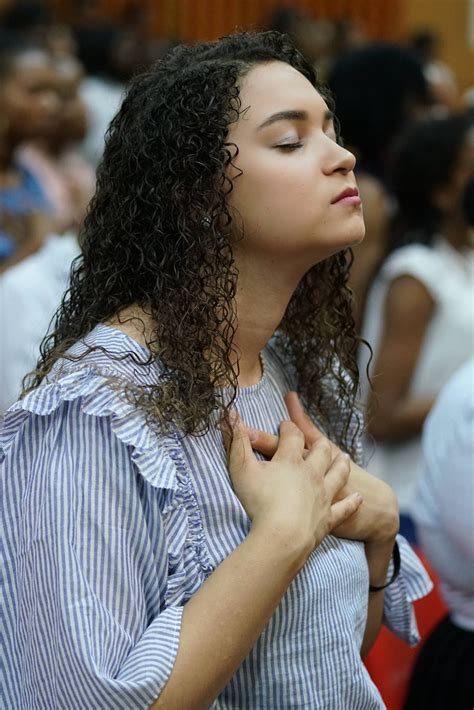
[(343, 509), (301, 419), (338, 475), (240, 449), (291, 442), (227, 429), (262, 441), (320, 457)]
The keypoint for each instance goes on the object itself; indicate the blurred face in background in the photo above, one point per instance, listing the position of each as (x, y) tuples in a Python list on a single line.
[(72, 120), (448, 198), (29, 98)]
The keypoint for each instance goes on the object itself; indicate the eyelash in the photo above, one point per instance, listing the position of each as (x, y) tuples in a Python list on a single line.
[(289, 147)]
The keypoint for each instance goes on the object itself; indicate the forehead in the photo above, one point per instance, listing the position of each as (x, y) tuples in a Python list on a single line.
[(32, 62), (277, 86)]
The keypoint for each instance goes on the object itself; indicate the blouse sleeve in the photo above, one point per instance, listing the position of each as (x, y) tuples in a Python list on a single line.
[(86, 570), (412, 583)]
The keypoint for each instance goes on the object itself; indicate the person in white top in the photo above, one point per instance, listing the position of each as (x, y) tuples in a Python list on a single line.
[(30, 293), (419, 312), (444, 517)]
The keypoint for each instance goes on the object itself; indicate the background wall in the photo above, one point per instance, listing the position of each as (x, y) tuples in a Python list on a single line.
[(453, 20), (191, 20), (207, 19)]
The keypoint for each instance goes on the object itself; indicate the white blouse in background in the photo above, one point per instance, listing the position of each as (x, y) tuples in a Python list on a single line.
[(448, 275)]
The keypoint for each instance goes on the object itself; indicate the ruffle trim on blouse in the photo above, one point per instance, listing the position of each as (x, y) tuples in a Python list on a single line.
[(157, 457)]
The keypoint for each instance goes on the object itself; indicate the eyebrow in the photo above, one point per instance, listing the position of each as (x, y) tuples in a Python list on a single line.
[(292, 116)]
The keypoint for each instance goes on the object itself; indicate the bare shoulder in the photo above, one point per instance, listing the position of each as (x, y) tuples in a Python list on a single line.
[(408, 302)]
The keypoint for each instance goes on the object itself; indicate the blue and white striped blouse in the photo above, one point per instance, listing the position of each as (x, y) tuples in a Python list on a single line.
[(110, 528)]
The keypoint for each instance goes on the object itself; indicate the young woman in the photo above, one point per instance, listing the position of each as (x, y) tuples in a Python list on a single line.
[(147, 564)]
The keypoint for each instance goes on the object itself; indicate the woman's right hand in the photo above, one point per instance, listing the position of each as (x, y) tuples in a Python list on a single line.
[(290, 497)]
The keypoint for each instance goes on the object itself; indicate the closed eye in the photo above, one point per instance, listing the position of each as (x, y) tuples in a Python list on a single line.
[(288, 147)]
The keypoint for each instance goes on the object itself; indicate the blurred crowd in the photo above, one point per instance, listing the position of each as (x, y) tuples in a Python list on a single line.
[(412, 130), (60, 86)]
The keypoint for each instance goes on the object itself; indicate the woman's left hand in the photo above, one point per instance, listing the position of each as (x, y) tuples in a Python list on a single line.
[(377, 518)]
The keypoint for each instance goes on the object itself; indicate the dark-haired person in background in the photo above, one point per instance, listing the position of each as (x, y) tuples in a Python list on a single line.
[(379, 90), (418, 317), (67, 180), (29, 107), (145, 561)]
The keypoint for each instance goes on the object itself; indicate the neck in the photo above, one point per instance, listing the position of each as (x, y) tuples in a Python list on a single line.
[(262, 297)]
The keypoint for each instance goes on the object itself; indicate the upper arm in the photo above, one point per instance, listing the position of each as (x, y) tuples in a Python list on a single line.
[(446, 485), (407, 312), (86, 569)]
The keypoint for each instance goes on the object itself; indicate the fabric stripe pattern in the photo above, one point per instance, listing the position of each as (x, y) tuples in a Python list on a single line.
[(110, 528)]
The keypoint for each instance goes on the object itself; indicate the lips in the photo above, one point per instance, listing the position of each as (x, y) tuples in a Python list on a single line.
[(348, 192)]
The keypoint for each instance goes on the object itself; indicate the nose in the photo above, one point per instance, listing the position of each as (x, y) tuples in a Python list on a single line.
[(339, 159)]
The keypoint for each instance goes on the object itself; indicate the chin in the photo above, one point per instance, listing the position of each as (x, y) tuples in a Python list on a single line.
[(358, 239), (348, 240), (356, 235)]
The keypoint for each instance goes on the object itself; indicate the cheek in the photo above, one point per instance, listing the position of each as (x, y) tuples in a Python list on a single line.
[(275, 194)]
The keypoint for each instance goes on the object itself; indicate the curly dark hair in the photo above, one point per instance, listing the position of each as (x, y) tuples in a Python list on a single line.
[(158, 234)]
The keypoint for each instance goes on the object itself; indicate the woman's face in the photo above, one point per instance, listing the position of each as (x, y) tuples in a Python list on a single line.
[(72, 123), (29, 97), (293, 171), (448, 197)]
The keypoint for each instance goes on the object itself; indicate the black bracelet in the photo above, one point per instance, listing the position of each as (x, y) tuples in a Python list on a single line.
[(396, 570)]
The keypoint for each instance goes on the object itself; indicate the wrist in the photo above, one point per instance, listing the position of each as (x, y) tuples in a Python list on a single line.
[(284, 545), (379, 510)]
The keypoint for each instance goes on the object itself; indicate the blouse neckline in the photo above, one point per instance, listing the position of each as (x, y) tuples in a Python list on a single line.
[(144, 351)]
